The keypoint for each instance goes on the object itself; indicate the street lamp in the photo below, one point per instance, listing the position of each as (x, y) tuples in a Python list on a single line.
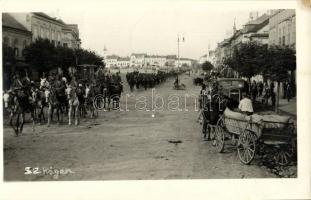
[(178, 41)]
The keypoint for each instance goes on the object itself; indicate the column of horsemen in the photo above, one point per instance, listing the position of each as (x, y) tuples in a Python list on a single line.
[(69, 95), (61, 95)]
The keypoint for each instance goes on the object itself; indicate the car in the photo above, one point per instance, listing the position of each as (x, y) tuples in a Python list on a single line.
[(232, 87)]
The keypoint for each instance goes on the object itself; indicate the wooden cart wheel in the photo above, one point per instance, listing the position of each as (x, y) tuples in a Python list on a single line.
[(219, 140), (284, 155), (246, 147)]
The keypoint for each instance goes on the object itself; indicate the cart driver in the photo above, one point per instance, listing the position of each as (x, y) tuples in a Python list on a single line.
[(246, 105)]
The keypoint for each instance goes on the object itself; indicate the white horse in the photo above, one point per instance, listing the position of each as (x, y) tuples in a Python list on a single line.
[(74, 104)]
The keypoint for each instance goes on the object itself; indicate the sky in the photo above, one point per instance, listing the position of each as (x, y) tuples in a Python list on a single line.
[(153, 28)]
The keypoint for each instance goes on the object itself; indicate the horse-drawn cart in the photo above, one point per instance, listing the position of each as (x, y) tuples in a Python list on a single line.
[(254, 134)]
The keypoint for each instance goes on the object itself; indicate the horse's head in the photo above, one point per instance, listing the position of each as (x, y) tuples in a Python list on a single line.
[(44, 83), (87, 90), (34, 94), (47, 94)]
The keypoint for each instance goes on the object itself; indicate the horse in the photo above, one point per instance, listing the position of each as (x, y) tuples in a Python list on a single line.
[(54, 99), (38, 102), (212, 110), (90, 95), (53, 103), (74, 104), (17, 102)]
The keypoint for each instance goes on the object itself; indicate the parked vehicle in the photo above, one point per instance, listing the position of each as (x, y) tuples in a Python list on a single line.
[(251, 135)]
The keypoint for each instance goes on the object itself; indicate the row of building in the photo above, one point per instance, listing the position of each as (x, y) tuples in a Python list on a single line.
[(142, 60), (275, 27), (21, 29)]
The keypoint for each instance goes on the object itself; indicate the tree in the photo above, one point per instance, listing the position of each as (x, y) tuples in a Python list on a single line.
[(41, 55), (65, 57), (88, 57), (280, 61), (247, 59), (8, 65), (207, 66), (274, 63)]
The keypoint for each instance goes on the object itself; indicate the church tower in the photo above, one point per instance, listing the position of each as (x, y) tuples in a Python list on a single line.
[(234, 27), (105, 52)]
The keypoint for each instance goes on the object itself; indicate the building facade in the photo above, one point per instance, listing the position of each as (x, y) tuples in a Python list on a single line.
[(123, 62), (282, 28), (183, 62), (55, 30), (15, 35), (137, 59), (70, 36), (111, 61), (117, 61), (255, 30), (155, 61)]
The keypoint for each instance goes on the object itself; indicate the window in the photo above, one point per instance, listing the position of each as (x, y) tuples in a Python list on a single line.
[(288, 34), (52, 35), (16, 52), (283, 40), (6, 41), (65, 45), (24, 44), (41, 32), (15, 43), (35, 32)]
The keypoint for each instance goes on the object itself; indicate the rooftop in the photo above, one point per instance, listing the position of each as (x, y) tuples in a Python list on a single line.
[(9, 21), (138, 54), (112, 57), (259, 20), (123, 59), (42, 14)]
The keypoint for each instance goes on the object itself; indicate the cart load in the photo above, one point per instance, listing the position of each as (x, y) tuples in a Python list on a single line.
[(249, 133)]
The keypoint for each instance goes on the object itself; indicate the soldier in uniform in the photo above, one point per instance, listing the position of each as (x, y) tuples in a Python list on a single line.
[(19, 89), (73, 82)]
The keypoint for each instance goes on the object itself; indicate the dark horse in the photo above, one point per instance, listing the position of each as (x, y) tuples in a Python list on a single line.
[(18, 104), (212, 110), (55, 101)]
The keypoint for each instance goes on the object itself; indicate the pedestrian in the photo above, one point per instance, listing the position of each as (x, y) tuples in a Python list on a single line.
[(266, 96), (254, 90), (272, 93), (246, 105), (284, 90), (260, 88), (288, 91)]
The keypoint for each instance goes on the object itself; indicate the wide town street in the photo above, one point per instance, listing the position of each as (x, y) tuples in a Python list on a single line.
[(132, 144)]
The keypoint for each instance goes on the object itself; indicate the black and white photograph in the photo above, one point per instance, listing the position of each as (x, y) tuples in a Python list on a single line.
[(150, 91)]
